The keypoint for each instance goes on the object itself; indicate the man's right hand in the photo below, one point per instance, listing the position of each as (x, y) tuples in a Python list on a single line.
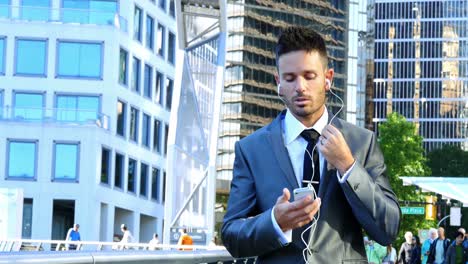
[(296, 214)]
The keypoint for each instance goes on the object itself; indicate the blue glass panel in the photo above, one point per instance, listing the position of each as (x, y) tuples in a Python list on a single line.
[(2, 55), (79, 60), (99, 12), (135, 75), (31, 57), (75, 11), (137, 24), (89, 107), (77, 108), (149, 32), (4, 8), (66, 161), (147, 81), (21, 159), (103, 12), (28, 106), (35, 9)]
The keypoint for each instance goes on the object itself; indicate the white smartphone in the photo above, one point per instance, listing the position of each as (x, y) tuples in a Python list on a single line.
[(300, 193)]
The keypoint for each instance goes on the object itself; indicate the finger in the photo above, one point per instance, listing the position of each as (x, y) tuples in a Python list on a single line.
[(284, 197)]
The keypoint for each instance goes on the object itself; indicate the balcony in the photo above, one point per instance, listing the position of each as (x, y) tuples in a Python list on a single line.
[(55, 115), (63, 15)]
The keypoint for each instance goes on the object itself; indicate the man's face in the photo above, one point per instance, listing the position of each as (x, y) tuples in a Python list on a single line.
[(433, 235), (441, 232), (302, 79), (459, 239)]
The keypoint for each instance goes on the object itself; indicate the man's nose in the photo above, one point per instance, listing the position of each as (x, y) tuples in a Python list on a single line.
[(300, 84)]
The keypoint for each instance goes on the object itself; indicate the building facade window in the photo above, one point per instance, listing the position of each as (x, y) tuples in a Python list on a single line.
[(137, 17), (123, 67), (172, 48), (105, 165), (5, 8), (89, 11), (28, 105), (22, 159), (121, 118), (161, 40), (155, 183), (66, 162), (134, 113), (157, 136), (1, 104), (31, 57), (77, 108), (162, 4), (148, 81), (131, 175), (145, 130), (2, 55), (143, 179), (172, 8), (166, 135), (79, 60), (158, 88), (169, 90), (149, 32), (136, 64), (118, 170), (35, 10), (27, 218)]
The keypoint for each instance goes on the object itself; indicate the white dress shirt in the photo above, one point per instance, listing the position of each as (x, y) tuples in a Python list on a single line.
[(296, 146)]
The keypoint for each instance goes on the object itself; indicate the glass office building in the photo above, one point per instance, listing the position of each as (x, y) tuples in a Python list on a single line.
[(85, 97), (421, 68), (250, 98)]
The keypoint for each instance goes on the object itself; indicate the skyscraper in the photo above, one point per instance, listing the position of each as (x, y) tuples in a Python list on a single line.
[(421, 68), (85, 96), (250, 94)]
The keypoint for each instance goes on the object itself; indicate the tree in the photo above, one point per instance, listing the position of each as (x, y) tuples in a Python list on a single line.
[(450, 160), (404, 156)]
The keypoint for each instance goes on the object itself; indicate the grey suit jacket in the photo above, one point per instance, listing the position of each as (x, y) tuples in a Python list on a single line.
[(262, 168)]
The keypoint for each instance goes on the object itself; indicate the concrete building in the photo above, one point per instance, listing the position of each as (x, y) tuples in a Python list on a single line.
[(421, 68), (85, 97)]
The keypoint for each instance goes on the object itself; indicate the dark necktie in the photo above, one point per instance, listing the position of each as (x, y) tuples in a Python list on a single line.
[(311, 136)]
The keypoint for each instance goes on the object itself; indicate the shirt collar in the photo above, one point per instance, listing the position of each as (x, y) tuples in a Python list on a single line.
[(293, 127)]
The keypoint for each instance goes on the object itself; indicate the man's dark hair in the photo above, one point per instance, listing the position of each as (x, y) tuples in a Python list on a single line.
[(297, 38), (458, 233)]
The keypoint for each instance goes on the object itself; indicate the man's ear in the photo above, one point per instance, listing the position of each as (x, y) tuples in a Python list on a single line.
[(329, 79)]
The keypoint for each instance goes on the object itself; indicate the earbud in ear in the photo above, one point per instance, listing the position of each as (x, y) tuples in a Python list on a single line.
[(279, 89), (328, 86)]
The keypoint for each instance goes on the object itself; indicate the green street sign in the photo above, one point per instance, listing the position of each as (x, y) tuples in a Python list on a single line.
[(412, 210)]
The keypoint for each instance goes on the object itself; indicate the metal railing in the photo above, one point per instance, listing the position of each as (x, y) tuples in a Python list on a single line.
[(64, 15), (55, 115), (55, 251)]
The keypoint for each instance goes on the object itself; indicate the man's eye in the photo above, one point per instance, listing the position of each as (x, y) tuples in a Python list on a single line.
[(310, 76)]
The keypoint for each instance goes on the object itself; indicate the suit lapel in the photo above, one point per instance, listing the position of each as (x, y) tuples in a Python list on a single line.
[(280, 151)]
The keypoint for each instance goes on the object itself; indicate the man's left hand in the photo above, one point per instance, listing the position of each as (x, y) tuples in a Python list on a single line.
[(334, 148)]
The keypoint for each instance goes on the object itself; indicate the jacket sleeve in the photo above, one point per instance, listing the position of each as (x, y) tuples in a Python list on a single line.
[(245, 231), (369, 194)]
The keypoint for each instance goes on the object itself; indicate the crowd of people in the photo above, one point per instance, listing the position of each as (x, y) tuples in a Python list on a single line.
[(436, 249)]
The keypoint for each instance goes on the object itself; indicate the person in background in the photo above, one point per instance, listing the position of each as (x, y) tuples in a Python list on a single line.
[(374, 251), (457, 253), (438, 248), (73, 235), (391, 256), (416, 252), (154, 242), (427, 245), (185, 239), (127, 236), (404, 255)]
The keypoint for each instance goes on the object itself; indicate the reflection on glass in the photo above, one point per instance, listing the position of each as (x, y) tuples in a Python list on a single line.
[(162, 4), (66, 161), (35, 9), (145, 130), (118, 170), (172, 8), (22, 159), (158, 94), (131, 175), (137, 24), (133, 124), (148, 80), (27, 218), (99, 12), (77, 108), (160, 40), (80, 60), (31, 57), (121, 110), (105, 166), (136, 75), (157, 136), (172, 48), (155, 184), (143, 179), (28, 106), (149, 32), (123, 66), (169, 88), (2, 55), (4, 8)]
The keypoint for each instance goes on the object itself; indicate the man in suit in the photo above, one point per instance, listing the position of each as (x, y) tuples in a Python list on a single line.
[(353, 191)]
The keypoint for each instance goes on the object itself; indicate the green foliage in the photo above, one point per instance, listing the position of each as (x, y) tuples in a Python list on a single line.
[(449, 161), (404, 156)]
